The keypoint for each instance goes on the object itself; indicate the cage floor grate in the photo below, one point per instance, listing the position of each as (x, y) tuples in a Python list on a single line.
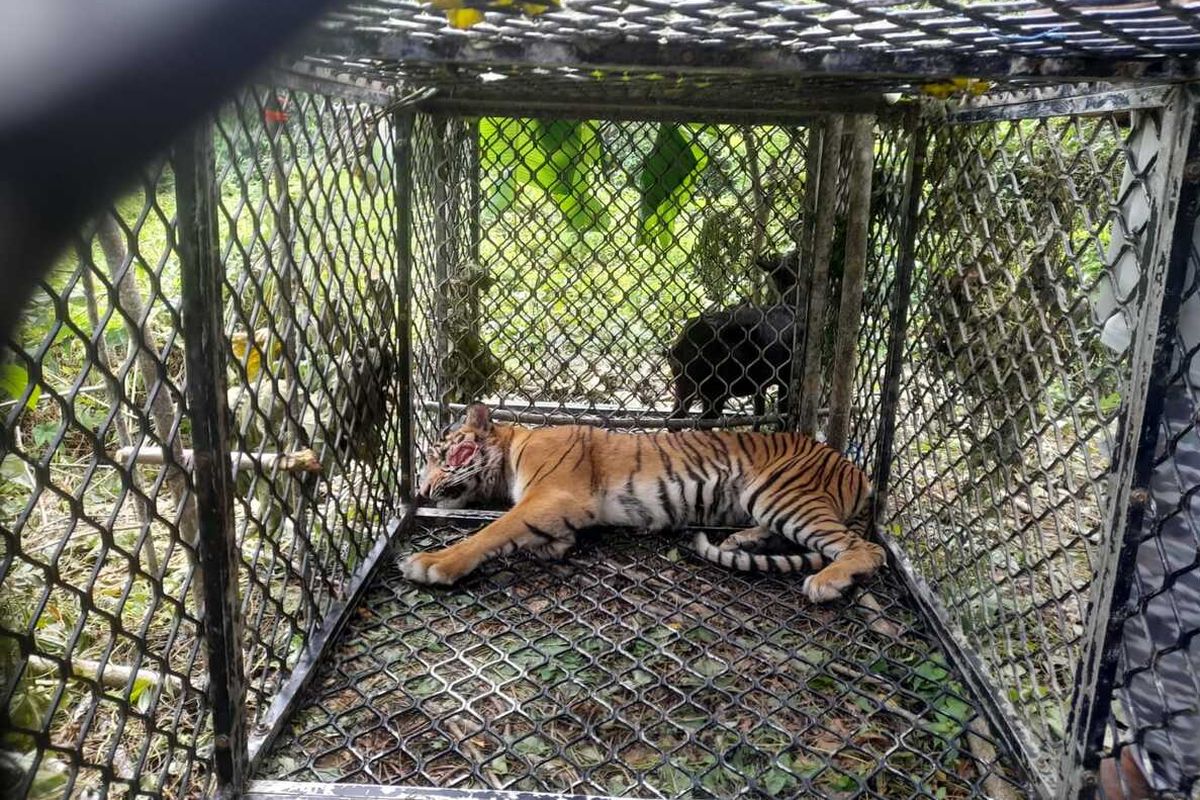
[(633, 668)]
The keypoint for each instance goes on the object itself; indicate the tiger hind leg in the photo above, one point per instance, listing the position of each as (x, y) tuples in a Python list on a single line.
[(813, 524), (858, 559)]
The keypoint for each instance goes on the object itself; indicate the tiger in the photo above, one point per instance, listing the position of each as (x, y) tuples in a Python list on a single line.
[(785, 488)]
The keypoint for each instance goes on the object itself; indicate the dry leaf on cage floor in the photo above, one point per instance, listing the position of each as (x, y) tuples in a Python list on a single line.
[(875, 618)]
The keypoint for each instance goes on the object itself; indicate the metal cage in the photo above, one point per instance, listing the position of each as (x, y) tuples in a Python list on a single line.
[(219, 400)]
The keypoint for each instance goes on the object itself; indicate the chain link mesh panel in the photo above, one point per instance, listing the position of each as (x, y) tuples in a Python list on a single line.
[(631, 669), (102, 673), (1014, 368), (605, 250), (1156, 715), (805, 54), (101, 655), (308, 230)]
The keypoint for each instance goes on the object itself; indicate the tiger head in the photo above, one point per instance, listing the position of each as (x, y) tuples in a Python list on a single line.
[(467, 465)]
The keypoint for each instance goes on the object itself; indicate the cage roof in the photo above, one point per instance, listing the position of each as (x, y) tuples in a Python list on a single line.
[(750, 54)]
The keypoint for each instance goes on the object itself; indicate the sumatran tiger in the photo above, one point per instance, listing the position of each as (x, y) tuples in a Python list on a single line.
[(784, 487)]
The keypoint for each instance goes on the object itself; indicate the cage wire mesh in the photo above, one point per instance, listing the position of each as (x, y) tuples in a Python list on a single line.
[(102, 672), (630, 669), (1014, 371), (1156, 714), (308, 223), (570, 300), (100, 646), (819, 29)]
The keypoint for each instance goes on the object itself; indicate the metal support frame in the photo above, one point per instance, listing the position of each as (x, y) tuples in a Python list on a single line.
[(443, 176), (803, 236), (202, 274), (650, 111), (316, 83), (1057, 101), (474, 190), (684, 57), (1175, 198), (402, 132), (826, 210), (914, 178)]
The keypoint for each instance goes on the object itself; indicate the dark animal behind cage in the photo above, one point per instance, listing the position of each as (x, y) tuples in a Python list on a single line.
[(739, 352)]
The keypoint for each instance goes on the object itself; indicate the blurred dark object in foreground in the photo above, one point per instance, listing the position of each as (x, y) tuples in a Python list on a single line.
[(89, 91)]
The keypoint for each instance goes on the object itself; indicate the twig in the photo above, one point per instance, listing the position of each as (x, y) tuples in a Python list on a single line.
[(473, 751), (113, 676), (888, 705), (299, 461), (876, 620)]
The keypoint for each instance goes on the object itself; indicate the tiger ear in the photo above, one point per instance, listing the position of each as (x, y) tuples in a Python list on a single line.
[(479, 417)]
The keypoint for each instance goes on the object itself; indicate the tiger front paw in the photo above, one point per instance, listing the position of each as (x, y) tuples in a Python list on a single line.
[(439, 568)]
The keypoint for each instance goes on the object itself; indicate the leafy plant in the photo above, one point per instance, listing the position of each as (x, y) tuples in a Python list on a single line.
[(668, 176), (14, 381), (555, 155)]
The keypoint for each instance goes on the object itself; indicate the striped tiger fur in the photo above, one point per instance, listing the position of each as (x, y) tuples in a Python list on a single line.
[(784, 486)]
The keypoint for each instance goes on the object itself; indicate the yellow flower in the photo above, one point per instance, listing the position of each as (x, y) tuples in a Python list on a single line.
[(239, 343)]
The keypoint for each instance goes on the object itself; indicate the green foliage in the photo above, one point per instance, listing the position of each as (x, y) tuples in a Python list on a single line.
[(500, 155), (555, 155), (14, 381), (569, 151), (668, 176), (722, 258)]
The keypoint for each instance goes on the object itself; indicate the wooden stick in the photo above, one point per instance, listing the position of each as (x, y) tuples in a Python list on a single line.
[(850, 313), (831, 150), (299, 461), (144, 345), (110, 675)]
